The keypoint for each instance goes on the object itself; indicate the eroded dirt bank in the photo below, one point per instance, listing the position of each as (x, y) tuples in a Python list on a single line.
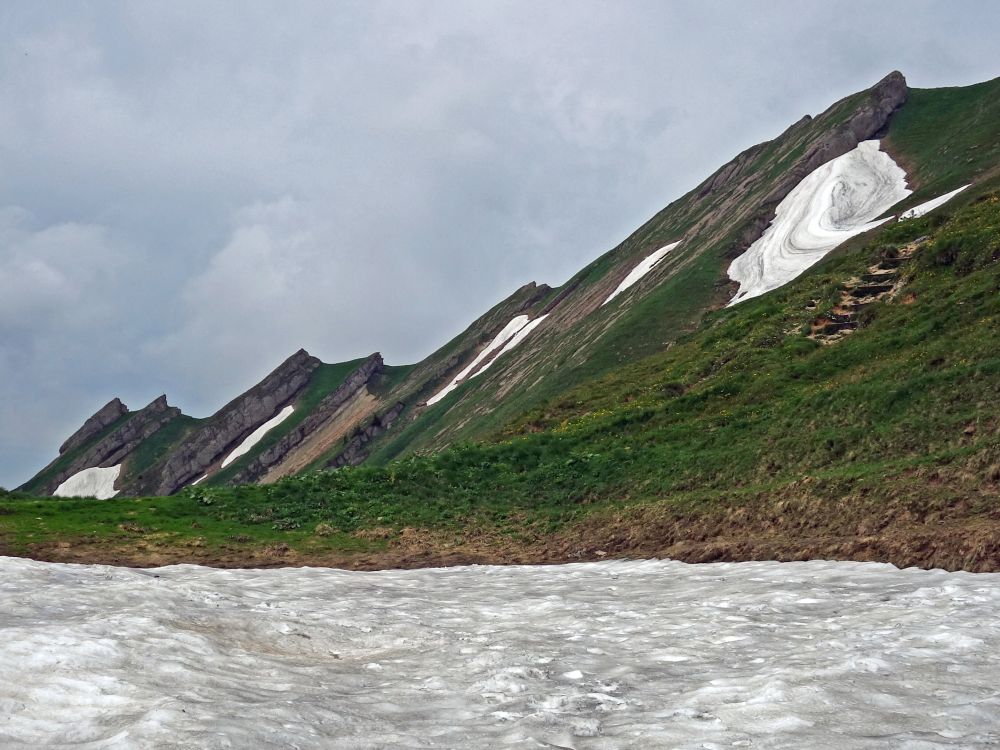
[(942, 529)]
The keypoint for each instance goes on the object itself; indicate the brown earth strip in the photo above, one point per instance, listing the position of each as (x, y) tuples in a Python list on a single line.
[(943, 530)]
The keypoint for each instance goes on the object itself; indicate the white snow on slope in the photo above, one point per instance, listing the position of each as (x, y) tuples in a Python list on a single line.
[(255, 437), (516, 341), (94, 482), (644, 267), (925, 208), (835, 202), (499, 340), (853, 656)]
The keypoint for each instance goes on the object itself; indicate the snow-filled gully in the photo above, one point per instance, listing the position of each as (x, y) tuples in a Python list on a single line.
[(510, 336), (257, 435), (645, 266), (598, 655)]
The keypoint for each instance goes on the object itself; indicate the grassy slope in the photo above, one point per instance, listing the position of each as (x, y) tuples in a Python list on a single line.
[(946, 137)]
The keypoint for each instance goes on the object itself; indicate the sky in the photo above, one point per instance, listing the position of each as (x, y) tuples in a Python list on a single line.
[(191, 191)]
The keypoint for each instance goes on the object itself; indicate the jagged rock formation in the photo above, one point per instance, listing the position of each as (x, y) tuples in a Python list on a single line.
[(104, 416), (325, 413), (233, 422), (116, 446)]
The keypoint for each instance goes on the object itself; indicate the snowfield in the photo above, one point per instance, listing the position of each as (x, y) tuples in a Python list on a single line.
[(600, 655), (835, 202), (926, 208), (644, 267), (255, 437), (93, 482)]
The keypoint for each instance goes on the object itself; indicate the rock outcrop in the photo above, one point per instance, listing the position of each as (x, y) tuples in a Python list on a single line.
[(326, 410), (115, 447), (233, 422), (106, 415), (356, 450)]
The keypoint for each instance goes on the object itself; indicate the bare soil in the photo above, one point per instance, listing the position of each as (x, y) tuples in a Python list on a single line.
[(928, 532)]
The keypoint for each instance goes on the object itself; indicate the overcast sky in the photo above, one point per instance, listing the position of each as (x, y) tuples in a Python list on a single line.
[(190, 191)]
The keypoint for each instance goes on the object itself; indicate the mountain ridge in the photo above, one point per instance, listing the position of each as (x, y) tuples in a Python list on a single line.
[(582, 336)]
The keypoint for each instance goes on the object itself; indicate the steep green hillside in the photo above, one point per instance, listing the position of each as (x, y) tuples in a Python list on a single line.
[(714, 222), (947, 137)]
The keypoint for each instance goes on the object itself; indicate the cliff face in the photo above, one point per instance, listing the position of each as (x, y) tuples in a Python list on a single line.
[(325, 415), (106, 415), (357, 448), (233, 422)]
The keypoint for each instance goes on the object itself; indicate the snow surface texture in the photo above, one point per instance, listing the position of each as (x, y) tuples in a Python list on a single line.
[(651, 654), (255, 437), (499, 340), (512, 334), (93, 482), (832, 204), (641, 270), (925, 208)]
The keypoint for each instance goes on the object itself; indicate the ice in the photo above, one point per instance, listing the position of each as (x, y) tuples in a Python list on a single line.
[(508, 331), (94, 482), (644, 267), (255, 437), (837, 201), (930, 205), (598, 655)]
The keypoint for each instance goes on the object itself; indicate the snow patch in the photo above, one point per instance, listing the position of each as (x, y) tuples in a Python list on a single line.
[(835, 202), (94, 482), (255, 437), (516, 341), (925, 208), (199, 480), (499, 340), (513, 334), (594, 655), (644, 267)]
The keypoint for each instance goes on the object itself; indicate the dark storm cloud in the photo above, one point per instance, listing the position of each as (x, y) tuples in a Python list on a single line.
[(189, 194)]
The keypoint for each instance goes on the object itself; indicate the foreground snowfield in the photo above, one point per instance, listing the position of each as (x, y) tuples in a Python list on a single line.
[(602, 655)]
